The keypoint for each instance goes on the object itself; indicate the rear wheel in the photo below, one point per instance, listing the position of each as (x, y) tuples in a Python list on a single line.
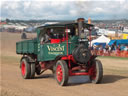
[(96, 72), (61, 73), (25, 68)]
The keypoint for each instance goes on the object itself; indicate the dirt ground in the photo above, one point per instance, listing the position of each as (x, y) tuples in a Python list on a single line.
[(114, 83)]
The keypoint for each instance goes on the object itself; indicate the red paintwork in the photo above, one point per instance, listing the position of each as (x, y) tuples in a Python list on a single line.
[(55, 40), (68, 57), (78, 73), (92, 71), (59, 73), (23, 69)]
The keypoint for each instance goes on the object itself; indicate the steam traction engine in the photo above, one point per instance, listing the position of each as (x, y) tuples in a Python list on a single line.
[(62, 48)]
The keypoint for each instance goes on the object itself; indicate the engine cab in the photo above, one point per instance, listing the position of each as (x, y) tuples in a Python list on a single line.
[(61, 39)]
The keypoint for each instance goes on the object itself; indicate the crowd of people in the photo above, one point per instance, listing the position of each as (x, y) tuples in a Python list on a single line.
[(109, 50)]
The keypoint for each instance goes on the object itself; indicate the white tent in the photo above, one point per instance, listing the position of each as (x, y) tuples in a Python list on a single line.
[(101, 39)]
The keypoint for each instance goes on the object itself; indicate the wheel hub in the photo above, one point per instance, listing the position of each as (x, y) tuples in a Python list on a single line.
[(59, 73)]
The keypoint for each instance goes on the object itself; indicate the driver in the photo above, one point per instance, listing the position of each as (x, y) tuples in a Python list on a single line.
[(47, 37)]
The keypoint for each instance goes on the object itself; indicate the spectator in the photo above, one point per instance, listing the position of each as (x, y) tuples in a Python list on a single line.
[(118, 48), (101, 49), (122, 47), (112, 47), (126, 48), (106, 48)]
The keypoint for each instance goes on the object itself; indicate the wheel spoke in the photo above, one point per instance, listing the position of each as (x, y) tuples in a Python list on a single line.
[(59, 73)]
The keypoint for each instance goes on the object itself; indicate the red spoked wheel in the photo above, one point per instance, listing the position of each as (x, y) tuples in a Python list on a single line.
[(96, 72), (25, 68), (61, 73)]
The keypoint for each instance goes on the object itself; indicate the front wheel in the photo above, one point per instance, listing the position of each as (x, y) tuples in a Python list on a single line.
[(61, 73), (96, 72)]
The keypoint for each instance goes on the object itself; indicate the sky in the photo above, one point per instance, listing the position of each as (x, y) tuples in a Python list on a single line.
[(64, 9)]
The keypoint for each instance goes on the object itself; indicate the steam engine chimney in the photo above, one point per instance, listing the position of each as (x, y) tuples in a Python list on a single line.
[(89, 20), (80, 22)]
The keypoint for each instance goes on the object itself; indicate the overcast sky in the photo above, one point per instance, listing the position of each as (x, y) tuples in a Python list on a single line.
[(64, 10)]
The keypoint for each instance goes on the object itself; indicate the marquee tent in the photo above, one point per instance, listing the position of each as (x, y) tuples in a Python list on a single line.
[(118, 42), (101, 39)]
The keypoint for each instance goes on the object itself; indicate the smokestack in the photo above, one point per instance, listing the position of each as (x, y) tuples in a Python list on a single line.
[(89, 20), (80, 22)]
